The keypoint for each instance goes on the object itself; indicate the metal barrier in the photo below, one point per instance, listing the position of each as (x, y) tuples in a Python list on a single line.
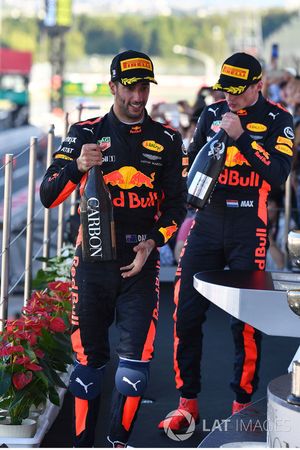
[(6, 238), (6, 290), (27, 231)]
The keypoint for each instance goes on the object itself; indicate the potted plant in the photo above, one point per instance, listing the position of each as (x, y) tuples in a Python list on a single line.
[(33, 349)]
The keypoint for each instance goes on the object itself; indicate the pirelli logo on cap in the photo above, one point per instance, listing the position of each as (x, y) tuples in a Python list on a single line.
[(136, 63), (235, 72)]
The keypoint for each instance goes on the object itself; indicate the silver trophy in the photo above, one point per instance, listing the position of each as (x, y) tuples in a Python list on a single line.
[(293, 298)]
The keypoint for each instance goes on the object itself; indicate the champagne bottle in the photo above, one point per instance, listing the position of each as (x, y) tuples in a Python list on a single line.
[(96, 217), (205, 170)]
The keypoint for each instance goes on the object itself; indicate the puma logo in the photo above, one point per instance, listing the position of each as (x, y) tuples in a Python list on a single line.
[(214, 111), (89, 129), (130, 382), (85, 386), (273, 115), (169, 134)]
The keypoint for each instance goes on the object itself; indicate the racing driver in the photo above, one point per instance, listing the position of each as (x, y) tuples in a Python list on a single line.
[(143, 163), (231, 231)]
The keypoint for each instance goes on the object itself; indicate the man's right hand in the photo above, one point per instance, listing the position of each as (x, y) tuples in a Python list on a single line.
[(90, 155)]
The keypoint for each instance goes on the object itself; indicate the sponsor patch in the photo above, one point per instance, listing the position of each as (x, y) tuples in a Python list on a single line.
[(215, 126), (70, 139), (232, 203), (286, 141), (152, 145), (284, 149), (60, 156), (136, 129), (247, 204), (151, 157), (105, 141), (136, 63), (261, 150), (184, 150), (67, 149), (259, 127), (135, 238), (289, 133), (235, 72)]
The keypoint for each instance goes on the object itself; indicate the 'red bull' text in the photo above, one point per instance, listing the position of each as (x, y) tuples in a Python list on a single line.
[(233, 178)]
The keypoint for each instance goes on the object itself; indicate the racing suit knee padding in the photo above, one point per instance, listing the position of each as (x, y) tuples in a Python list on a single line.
[(86, 381), (132, 377)]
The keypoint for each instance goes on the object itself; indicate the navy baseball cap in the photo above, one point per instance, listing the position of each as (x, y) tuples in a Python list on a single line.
[(130, 67), (238, 72)]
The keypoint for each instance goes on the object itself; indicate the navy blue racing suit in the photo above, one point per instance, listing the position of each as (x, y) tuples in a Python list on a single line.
[(230, 231), (144, 166)]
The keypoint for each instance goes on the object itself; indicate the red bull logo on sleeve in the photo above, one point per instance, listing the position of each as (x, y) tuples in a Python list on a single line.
[(234, 157), (128, 177), (261, 153), (168, 232)]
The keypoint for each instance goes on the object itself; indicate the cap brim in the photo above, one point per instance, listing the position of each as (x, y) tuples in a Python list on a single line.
[(134, 80), (234, 90)]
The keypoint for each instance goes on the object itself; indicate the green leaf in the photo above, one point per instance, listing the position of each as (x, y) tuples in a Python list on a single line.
[(54, 397)]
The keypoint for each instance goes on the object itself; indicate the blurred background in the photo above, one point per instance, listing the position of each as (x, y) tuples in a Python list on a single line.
[(70, 44), (54, 69)]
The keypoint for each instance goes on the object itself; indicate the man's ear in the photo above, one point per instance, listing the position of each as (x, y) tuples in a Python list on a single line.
[(260, 85), (112, 87)]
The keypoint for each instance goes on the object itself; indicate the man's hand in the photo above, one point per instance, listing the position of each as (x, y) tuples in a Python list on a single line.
[(90, 155), (142, 250), (232, 125)]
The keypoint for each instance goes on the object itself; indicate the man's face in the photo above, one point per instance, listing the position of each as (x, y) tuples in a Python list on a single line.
[(130, 101), (244, 100)]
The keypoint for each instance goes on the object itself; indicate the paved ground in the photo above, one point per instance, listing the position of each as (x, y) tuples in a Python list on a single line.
[(161, 396)]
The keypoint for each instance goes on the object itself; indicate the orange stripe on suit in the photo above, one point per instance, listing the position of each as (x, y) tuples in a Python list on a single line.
[(250, 359), (81, 408), (78, 347), (178, 379), (68, 189), (262, 202), (130, 408), (148, 347)]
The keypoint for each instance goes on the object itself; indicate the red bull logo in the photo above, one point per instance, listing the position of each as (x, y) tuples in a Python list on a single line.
[(128, 177), (235, 158), (136, 129), (261, 153), (168, 232)]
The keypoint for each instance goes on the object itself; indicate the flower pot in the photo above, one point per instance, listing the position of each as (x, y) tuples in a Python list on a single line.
[(39, 409), (26, 430)]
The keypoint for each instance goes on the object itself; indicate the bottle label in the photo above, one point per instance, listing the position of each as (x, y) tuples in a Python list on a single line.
[(94, 227), (217, 149), (200, 185)]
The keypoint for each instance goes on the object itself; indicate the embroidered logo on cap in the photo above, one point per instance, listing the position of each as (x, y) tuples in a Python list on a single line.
[(236, 72), (136, 63)]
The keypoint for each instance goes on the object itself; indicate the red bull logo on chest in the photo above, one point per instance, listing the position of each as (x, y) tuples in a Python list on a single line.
[(128, 177)]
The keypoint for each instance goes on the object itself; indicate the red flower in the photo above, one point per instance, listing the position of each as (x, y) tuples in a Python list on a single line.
[(60, 286), (39, 353), (20, 380), (57, 324)]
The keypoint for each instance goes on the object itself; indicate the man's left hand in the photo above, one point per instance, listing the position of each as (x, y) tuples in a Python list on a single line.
[(142, 250)]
